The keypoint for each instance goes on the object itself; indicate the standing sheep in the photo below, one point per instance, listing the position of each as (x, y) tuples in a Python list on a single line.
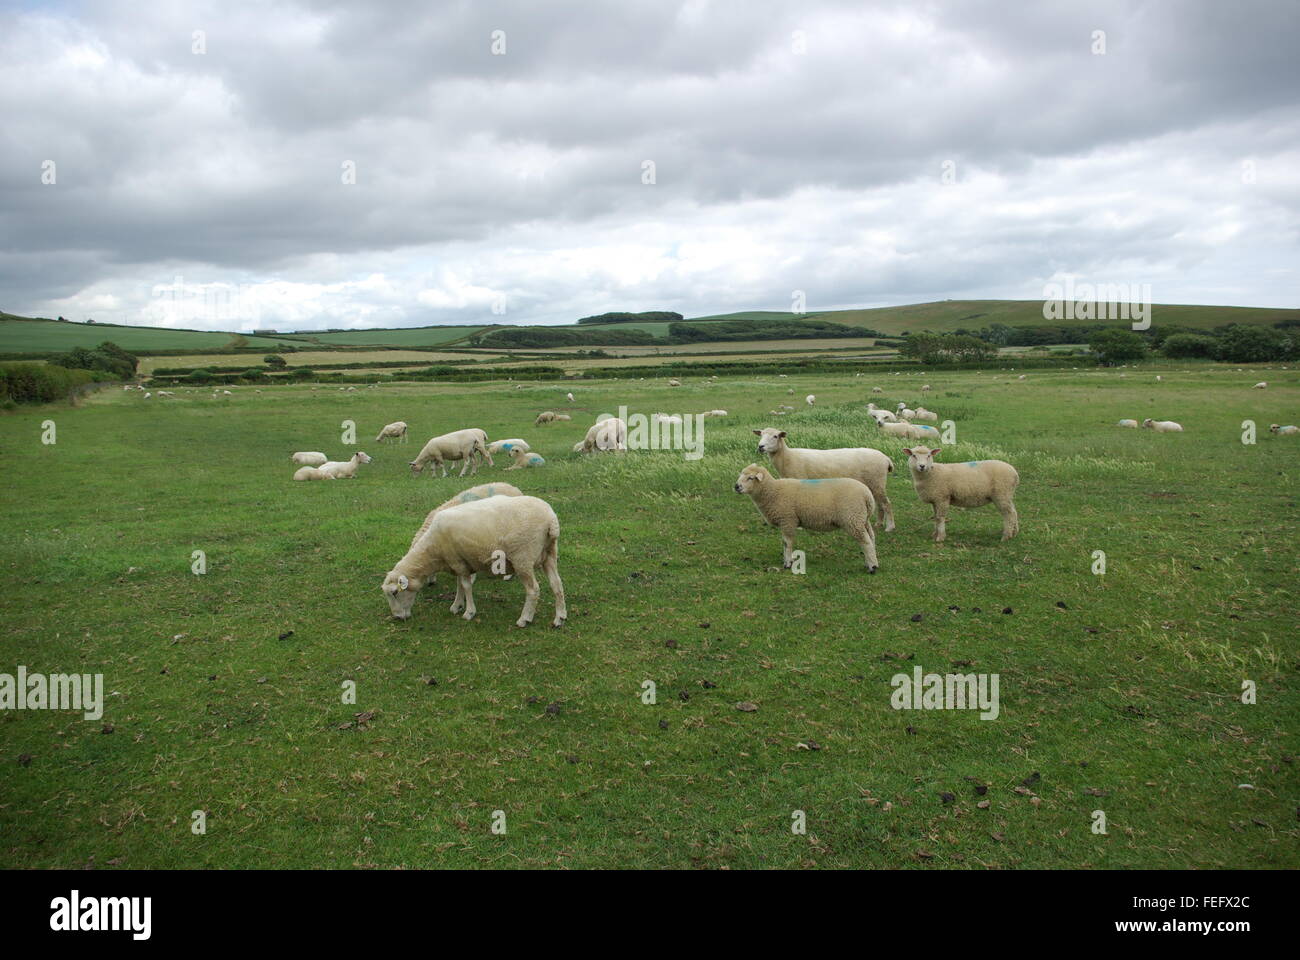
[(498, 534), (971, 484), (458, 445), (546, 416), (924, 414), (569, 397), (835, 503), (864, 464), (393, 431), (1162, 426), (810, 399)]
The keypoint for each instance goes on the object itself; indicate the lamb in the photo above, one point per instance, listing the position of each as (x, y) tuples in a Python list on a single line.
[(606, 435), (810, 399), (309, 458), (905, 413), (497, 446), (393, 431), (497, 534), (546, 416), (334, 469), (924, 414), (1162, 426), (908, 431), (458, 445), (1287, 431), (968, 485), (1131, 424), (834, 503), (869, 467), (525, 458), (714, 413), (1262, 385)]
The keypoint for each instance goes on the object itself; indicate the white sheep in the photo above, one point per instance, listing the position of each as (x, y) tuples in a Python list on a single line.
[(924, 414), (669, 418), (926, 388), (810, 399), (832, 503), (1162, 426), (905, 412), (606, 435), (1287, 431), (309, 458), (674, 383), (393, 431), (1158, 378), (714, 413), (464, 445), (333, 469), (864, 464), (877, 390), (498, 446), (1131, 424), (1262, 385), (499, 534), (525, 458), (971, 484), (580, 447), (563, 416), (879, 413), (546, 416), (569, 397), (909, 431)]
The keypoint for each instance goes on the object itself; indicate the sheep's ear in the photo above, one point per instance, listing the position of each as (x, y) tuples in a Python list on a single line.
[(781, 434), (758, 433), (402, 582), (935, 450), (908, 451)]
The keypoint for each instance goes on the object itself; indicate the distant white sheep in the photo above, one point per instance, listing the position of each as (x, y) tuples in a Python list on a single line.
[(1287, 431), (333, 469), (605, 436), (864, 464), (518, 532), (834, 503), (714, 413), (1162, 426), (569, 397), (546, 416), (877, 390), (905, 412), (926, 388), (466, 445), (393, 431), (924, 414), (810, 399), (309, 458), (674, 383), (971, 484), (1131, 424), (1262, 385)]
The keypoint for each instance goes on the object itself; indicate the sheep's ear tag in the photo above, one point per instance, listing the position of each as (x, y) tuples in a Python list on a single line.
[(402, 582)]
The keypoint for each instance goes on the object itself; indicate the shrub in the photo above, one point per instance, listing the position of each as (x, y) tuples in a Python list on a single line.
[(1190, 346), (1115, 344), (40, 382), (1242, 344)]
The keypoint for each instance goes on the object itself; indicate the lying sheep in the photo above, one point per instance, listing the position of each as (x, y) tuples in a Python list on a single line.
[(546, 416), (606, 435), (714, 413), (674, 383), (670, 418), (1162, 426), (333, 469), (1262, 385), (580, 447), (563, 416), (1287, 431), (464, 445), (514, 534), (904, 412), (877, 390), (506, 446), (1131, 424), (879, 413), (309, 458), (834, 503), (869, 467), (525, 458), (393, 431), (924, 414), (971, 484), (908, 431)]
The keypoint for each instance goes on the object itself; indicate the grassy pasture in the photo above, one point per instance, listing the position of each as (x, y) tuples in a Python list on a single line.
[(300, 358), (44, 336), (1121, 692), (404, 337)]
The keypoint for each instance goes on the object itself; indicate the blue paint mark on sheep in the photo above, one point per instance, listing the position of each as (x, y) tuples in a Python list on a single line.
[(467, 496), (810, 481), (973, 463)]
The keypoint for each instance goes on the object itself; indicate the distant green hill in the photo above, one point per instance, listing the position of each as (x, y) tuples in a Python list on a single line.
[(38, 335)]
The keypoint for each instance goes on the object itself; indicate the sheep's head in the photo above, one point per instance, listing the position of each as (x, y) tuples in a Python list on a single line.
[(770, 439), (921, 459), (399, 591), (750, 478), (360, 457), (416, 468), (487, 454), (1274, 427), (1147, 422)]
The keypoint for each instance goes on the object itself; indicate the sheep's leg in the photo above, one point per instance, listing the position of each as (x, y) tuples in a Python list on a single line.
[(867, 538), (443, 464), (1010, 519), (467, 586), (787, 541), (465, 465), (459, 603), (886, 508), (550, 563), (531, 592), (940, 521)]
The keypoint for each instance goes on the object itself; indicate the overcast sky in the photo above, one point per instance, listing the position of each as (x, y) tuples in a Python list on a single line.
[(866, 154)]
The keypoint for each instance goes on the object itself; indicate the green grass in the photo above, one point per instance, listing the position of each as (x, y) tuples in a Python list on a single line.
[(406, 337), (1130, 689), (25, 335)]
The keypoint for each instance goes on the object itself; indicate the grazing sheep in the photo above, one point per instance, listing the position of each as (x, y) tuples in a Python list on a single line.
[(393, 431), (1131, 424), (1158, 378), (924, 414), (1287, 431), (869, 467), (908, 431), (1022, 376), (606, 435), (334, 469), (810, 399), (546, 416), (523, 532), (674, 383), (481, 492), (498, 446), (458, 445), (832, 503), (569, 397), (1162, 426), (309, 458), (579, 447), (1262, 385), (525, 458), (971, 484)]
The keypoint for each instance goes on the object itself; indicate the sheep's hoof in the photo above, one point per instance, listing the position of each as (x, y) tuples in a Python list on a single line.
[(521, 622), (558, 622), (468, 614), (872, 569), (456, 608)]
